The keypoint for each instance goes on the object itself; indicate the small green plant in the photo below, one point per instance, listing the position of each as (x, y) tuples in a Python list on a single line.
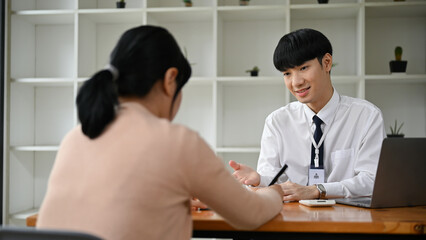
[(396, 129), (254, 69), (120, 4), (398, 53), (188, 3), (244, 2)]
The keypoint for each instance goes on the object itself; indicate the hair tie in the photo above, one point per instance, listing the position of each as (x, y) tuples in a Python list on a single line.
[(113, 70)]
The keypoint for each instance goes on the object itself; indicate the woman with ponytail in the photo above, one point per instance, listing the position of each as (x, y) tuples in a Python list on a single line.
[(127, 172)]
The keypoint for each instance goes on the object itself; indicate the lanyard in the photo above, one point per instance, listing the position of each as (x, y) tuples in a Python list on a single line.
[(317, 146)]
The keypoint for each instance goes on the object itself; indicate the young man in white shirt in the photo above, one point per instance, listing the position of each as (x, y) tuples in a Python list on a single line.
[(344, 162)]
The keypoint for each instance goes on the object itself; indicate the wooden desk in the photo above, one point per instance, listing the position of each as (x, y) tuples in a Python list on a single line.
[(31, 220), (338, 222)]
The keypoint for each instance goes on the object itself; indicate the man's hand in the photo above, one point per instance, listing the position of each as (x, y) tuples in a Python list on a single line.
[(245, 174), (296, 192)]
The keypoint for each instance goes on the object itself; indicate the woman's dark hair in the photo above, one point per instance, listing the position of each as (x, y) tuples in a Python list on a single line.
[(300, 46), (140, 58)]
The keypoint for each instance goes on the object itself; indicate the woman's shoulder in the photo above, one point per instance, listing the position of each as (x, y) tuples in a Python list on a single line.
[(142, 120)]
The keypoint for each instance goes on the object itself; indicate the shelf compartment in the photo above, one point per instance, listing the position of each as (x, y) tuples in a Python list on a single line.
[(239, 102), (108, 4), (40, 115), (43, 45), (342, 34), (29, 173), (178, 4), (18, 5), (400, 101), (381, 38), (98, 34), (193, 30), (395, 9), (246, 39)]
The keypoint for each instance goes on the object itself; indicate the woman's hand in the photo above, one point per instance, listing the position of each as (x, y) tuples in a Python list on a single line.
[(197, 204)]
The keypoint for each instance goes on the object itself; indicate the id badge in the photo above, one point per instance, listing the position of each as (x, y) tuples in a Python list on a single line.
[(316, 176)]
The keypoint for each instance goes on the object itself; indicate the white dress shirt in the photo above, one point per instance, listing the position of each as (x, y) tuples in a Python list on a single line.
[(351, 147)]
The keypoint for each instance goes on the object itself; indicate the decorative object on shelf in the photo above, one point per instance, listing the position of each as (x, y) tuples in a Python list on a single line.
[(244, 2), (254, 71), (121, 4), (398, 65), (396, 130), (322, 1), (188, 3), (399, 0)]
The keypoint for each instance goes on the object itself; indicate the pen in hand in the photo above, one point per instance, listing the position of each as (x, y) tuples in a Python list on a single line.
[(278, 175)]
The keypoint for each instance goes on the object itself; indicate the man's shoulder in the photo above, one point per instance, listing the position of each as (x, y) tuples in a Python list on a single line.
[(287, 110), (358, 104)]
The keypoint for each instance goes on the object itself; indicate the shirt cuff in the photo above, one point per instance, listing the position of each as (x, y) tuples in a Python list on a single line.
[(334, 190)]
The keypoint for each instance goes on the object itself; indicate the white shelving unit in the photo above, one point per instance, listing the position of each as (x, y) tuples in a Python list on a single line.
[(54, 45)]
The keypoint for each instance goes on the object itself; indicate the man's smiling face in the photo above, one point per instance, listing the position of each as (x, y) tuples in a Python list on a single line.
[(310, 82)]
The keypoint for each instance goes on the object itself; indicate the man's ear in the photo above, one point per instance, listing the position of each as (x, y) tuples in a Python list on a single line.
[(327, 61), (169, 82)]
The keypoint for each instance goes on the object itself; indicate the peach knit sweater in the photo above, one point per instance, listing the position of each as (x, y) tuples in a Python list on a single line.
[(135, 181)]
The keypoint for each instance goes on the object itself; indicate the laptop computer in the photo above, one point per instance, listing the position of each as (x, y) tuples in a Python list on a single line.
[(400, 177)]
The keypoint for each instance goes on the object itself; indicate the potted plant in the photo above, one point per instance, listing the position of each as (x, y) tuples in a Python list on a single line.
[(244, 2), (188, 3), (254, 71), (121, 4), (398, 65), (396, 130)]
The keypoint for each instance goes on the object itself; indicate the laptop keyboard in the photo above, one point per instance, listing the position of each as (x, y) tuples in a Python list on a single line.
[(362, 201)]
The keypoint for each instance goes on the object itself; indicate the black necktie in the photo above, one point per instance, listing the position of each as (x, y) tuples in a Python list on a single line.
[(317, 137)]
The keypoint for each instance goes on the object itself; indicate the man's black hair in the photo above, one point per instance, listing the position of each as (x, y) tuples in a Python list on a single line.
[(300, 46)]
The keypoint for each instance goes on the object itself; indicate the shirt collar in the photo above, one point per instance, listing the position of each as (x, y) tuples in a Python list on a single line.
[(326, 114)]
